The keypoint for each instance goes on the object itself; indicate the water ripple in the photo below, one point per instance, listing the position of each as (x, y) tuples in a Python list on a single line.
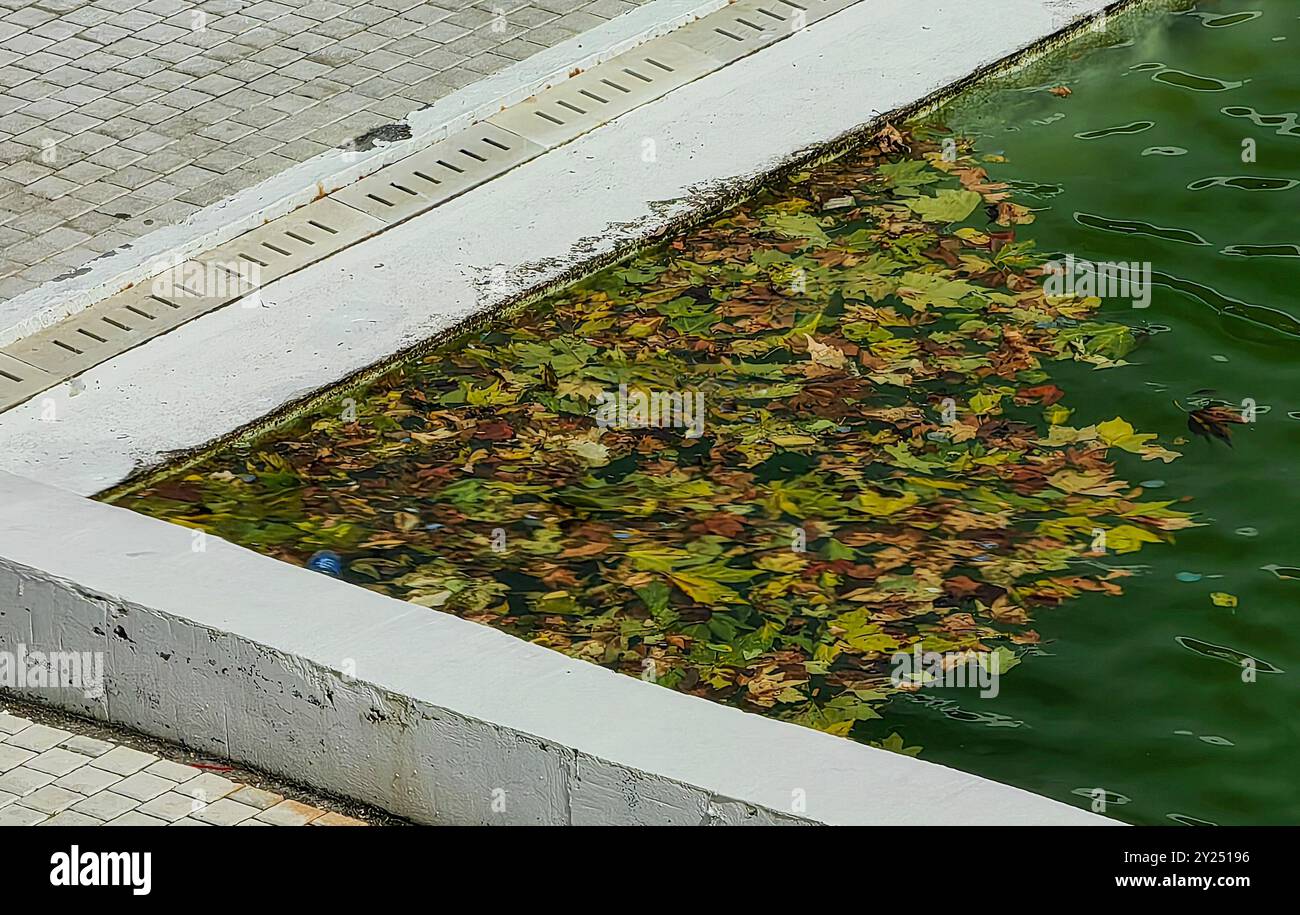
[(1262, 251), (1133, 227), (1183, 80), (1135, 127), (1244, 183), (1287, 123)]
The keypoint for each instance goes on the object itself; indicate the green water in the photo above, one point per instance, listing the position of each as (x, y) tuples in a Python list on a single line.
[(651, 547), (1120, 704)]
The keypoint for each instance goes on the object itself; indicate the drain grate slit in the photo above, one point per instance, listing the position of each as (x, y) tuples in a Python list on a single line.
[(428, 178), (253, 260), (96, 337), (571, 107), (630, 72), (140, 312), (614, 85), (118, 324), (14, 378), (491, 142), (777, 16), (404, 190), (68, 346), (729, 34), (281, 251), (473, 155), (161, 301), (756, 28), (543, 114), (322, 227), (302, 238), (589, 94), (662, 66), (448, 165)]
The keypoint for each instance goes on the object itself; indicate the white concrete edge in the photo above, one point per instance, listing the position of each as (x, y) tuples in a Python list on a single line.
[(439, 720), (217, 223), (540, 223)]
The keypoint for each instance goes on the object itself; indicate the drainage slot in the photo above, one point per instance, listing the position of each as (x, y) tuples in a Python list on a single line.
[(491, 142), (630, 72), (595, 96), (475, 156), (119, 325), (68, 346), (137, 311), (280, 251), (14, 378), (573, 108), (615, 86), (427, 178), (251, 259), (791, 3), (404, 190), (778, 17), (655, 63), (756, 28), (95, 337), (379, 199), (728, 34), (161, 301), (448, 165), (296, 237), (322, 227)]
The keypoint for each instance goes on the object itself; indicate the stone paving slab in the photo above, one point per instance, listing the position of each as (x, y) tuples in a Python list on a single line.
[(120, 117), (84, 781)]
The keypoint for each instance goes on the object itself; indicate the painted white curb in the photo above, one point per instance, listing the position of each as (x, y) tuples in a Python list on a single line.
[(442, 721)]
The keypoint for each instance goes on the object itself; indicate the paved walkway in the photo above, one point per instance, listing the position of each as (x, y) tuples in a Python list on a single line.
[(119, 117), (52, 777)]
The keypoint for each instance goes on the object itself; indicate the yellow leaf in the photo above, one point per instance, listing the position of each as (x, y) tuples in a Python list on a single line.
[(1118, 433), (1223, 599), (1056, 414), (1129, 539), (881, 506), (1091, 483), (704, 590), (791, 441)]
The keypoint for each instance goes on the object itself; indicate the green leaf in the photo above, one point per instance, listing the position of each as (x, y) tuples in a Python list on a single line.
[(947, 206)]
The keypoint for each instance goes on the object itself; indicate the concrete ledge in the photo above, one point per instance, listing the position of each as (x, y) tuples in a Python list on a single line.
[(439, 720)]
